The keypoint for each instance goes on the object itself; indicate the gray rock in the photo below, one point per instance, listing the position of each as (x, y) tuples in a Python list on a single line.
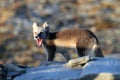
[(95, 69), (101, 69)]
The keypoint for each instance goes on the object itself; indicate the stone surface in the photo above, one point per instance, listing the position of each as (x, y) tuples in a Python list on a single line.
[(96, 69)]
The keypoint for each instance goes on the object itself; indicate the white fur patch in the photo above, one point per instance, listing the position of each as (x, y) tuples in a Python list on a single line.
[(94, 47), (91, 52), (36, 28)]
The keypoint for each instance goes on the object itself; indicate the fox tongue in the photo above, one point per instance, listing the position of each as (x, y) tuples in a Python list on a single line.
[(39, 42)]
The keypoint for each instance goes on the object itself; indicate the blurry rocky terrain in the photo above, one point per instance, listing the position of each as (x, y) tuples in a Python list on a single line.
[(16, 18)]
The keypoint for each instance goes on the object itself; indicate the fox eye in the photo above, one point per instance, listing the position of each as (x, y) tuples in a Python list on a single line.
[(34, 32)]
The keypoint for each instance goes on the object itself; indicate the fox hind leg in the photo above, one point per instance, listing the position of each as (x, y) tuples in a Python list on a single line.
[(97, 51), (80, 51)]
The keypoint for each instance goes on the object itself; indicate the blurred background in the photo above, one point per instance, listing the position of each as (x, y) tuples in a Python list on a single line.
[(17, 16)]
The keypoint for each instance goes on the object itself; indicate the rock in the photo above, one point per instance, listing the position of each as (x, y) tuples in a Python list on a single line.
[(101, 69), (12, 71), (95, 69), (3, 72), (78, 62)]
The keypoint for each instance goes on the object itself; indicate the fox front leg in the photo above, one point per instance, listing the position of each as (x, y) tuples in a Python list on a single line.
[(51, 52)]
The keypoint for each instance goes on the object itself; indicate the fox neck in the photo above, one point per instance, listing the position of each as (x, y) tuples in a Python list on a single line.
[(51, 36)]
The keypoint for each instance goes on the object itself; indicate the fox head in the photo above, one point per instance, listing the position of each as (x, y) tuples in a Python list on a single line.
[(40, 32)]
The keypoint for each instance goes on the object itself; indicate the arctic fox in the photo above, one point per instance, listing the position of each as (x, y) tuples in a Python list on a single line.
[(82, 40)]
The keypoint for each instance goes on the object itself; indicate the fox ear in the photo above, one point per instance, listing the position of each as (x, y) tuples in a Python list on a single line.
[(35, 24), (45, 25)]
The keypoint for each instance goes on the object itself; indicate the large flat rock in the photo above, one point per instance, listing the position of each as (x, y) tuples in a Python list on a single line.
[(96, 69), (101, 69)]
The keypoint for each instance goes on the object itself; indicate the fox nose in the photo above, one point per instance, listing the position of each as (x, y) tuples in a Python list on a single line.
[(36, 37)]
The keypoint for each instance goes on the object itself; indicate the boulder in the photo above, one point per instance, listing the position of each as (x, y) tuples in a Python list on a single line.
[(94, 69)]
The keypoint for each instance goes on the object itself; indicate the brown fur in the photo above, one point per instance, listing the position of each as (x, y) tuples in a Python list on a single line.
[(81, 39), (69, 38)]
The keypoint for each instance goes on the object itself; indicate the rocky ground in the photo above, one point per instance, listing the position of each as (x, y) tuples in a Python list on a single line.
[(93, 69), (17, 16)]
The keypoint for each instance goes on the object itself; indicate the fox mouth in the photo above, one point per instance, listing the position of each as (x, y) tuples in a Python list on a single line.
[(39, 42)]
